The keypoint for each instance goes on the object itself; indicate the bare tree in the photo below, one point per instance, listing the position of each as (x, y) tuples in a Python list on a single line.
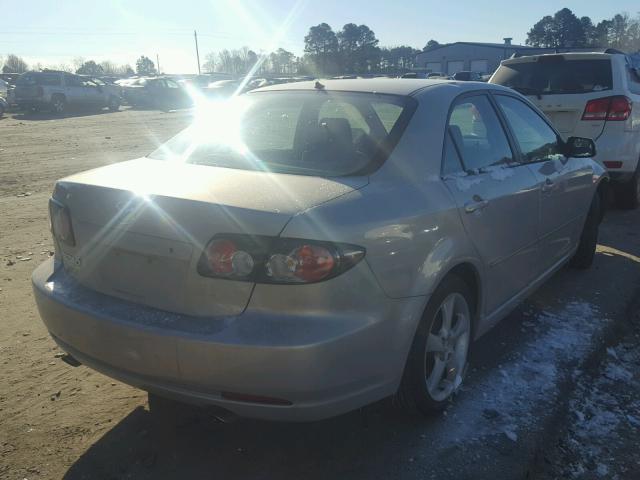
[(210, 62), (77, 62), (14, 64)]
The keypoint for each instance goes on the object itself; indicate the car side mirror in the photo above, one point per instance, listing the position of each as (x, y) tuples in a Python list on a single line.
[(579, 147)]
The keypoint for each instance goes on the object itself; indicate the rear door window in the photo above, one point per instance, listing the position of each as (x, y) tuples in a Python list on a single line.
[(537, 141), (555, 75), (477, 133)]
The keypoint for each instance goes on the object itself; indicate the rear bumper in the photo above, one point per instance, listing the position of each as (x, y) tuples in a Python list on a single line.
[(324, 365), (619, 146)]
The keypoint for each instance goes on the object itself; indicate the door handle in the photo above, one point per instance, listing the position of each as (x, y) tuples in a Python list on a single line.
[(548, 185), (477, 204)]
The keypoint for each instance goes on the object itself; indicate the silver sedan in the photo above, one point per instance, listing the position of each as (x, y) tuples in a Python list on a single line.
[(309, 248)]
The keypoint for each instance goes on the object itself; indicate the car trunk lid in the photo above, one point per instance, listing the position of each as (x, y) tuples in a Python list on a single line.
[(565, 113), (141, 226)]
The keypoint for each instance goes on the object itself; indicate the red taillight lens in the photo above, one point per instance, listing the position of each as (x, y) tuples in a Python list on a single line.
[(314, 263), (276, 260), (611, 109), (307, 263), (620, 109), (225, 259), (612, 164), (40, 92), (596, 109), (61, 226)]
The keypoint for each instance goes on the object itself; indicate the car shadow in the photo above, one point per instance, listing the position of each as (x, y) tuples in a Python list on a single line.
[(378, 441), (46, 115)]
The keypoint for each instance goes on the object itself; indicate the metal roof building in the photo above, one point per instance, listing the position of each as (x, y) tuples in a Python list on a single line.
[(477, 57)]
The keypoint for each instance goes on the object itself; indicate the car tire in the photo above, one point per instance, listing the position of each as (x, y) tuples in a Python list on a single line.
[(1, 111), (168, 413), (628, 193), (439, 354), (58, 104), (114, 104), (583, 258)]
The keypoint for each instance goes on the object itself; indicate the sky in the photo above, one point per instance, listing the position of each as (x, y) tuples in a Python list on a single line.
[(57, 31)]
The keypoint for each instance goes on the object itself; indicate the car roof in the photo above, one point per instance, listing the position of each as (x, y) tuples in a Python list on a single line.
[(568, 55), (389, 86)]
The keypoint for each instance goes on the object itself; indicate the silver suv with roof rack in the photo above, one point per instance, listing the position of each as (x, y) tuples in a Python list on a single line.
[(57, 91)]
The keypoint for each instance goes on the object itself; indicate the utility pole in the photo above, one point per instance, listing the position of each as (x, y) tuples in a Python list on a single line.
[(195, 35), (158, 63)]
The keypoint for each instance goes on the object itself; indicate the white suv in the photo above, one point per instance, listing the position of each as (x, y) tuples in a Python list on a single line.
[(593, 95)]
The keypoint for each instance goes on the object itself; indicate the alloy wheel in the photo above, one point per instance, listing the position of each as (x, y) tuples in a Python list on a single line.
[(447, 347), (58, 105)]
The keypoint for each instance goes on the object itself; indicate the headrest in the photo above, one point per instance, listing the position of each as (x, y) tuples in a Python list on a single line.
[(338, 130)]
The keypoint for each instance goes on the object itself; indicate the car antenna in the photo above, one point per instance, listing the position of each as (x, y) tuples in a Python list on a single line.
[(319, 86)]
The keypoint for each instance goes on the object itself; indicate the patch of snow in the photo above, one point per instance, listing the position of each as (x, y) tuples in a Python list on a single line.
[(465, 181), (530, 377), (499, 172), (633, 420), (606, 419), (617, 372), (509, 431)]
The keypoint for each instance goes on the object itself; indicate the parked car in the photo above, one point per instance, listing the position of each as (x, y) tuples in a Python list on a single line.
[(223, 88), (594, 95), (59, 91), (413, 75), (4, 89), (108, 89), (155, 92), (10, 78), (200, 81), (309, 248), (466, 76), (4, 106)]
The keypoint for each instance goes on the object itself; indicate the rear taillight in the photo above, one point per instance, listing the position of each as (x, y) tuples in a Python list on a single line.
[(612, 164), (620, 109), (40, 92), (276, 260), (611, 109), (61, 226)]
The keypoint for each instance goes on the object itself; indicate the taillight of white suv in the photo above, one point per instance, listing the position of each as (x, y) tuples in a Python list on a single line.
[(610, 109)]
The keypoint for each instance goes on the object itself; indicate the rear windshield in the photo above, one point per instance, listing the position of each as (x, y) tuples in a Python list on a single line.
[(303, 132), (556, 75), (51, 79)]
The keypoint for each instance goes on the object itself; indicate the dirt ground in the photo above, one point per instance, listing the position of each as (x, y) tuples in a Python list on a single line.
[(43, 423), (62, 422)]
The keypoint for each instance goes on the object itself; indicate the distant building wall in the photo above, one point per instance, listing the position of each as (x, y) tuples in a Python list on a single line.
[(477, 57)]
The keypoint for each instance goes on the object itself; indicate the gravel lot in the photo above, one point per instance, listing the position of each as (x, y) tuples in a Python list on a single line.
[(528, 394)]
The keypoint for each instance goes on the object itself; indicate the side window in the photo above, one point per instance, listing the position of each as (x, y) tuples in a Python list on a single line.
[(72, 81), (536, 139), (171, 83), (476, 130), (451, 162)]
